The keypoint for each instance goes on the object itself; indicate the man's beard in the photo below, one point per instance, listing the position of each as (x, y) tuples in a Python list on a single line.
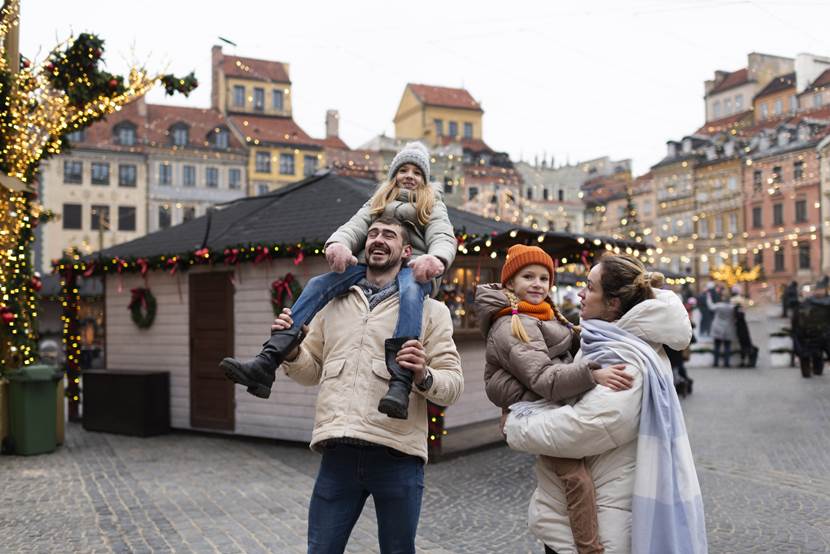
[(381, 268)]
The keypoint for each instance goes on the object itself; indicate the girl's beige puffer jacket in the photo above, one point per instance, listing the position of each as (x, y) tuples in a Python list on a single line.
[(541, 368)]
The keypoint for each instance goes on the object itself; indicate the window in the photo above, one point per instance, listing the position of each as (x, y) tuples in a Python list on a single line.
[(727, 106), (472, 192), (778, 260), (234, 178), (561, 195), (100, 218), (76, 136), (126, 175), (793, 104), (529, 193), (453, 129), (125, 134), (739, 102), (189, 175), (757, 180), (262, 188), (764, 111), (757, 220), (259, 99), (719, 226), (732, 183), (716, 109), (733, 223), (165, 174), (309, 165), (73, 172), (179, 135), (778, 214), (545, 193), (448, 185), (220, 138), (800, 211), (188, 213), (439, 127), (703, 228), (778, 108), (212, 177), (776, 174), (262, 163), (276, 100), (468, 130), (759, 258), (71, 216), (817, 100), (798, 170), (286, 164), (239, 96), (126, 218), (804, 255), (100, 173), (164, 217)]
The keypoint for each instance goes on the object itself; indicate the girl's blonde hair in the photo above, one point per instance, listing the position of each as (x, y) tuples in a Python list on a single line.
[(423, 197), (516, 323)]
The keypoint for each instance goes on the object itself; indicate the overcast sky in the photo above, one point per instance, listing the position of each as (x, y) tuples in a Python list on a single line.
[(574, 80)]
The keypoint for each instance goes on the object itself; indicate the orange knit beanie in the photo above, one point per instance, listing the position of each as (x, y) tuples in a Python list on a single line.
[(519, 256)]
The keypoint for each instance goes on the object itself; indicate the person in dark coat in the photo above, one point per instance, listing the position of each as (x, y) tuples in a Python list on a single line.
[(811, 331), (706, 315), (789, 298), (748, 351)]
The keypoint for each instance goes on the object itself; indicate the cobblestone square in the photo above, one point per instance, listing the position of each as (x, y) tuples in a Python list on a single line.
[(760, 437)]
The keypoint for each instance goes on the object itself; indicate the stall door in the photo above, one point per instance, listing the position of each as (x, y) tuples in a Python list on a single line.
[(211, 339)]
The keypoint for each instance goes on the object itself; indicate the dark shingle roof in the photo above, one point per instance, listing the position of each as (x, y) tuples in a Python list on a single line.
[(308, 211)]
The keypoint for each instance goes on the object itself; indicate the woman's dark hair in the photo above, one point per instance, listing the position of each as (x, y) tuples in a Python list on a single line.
[(625, 277)]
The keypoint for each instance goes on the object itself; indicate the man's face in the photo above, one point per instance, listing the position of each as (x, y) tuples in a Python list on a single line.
[(384, 247)]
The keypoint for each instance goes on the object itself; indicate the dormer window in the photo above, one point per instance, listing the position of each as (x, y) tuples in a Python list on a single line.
[(804, 133), (671, 150), (220, 138), (763, 143), (124, 134), (179, 134), (729, 149), (687, 146), (783, 138)]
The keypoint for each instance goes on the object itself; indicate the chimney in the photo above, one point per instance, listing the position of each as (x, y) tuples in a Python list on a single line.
[(332, 123), (215, 84), (141, 106)]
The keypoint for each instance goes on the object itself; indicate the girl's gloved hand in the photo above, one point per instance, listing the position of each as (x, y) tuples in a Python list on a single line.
[(426, 267), (339, 257)]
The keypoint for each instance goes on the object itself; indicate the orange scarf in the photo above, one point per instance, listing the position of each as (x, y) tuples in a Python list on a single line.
[(543, 311)]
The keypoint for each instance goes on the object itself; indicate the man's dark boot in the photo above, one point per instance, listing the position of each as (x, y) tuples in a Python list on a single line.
[(258, 374), (396, 402)]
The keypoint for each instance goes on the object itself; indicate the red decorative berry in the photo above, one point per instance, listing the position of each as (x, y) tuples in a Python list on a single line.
[(113, 83), (26, 63), (50, 67), (97, 53), (8, 317)]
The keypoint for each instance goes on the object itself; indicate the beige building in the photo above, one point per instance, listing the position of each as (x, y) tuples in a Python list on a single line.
[(98, 189), (732, 92), (823, 150), (438, 114), (552, 202)]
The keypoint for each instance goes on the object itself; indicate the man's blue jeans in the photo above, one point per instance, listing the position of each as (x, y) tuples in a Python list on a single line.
[(321, 289), (348, 475)]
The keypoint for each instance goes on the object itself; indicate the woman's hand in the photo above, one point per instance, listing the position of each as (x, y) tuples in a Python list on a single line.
[(339, 257), (614, 377), (426, 267)]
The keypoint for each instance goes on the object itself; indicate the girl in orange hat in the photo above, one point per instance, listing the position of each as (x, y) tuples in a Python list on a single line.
[(529, 356)]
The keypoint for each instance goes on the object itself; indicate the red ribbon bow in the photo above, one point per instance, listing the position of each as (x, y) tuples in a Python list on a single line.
[(231, 256), (282, 288), (262, 254), (137, 296), (172, 263)]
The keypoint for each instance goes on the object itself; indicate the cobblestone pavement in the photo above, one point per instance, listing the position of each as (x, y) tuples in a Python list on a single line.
[(761, 440)]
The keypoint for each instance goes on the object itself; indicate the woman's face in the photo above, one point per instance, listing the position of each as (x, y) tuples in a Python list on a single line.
[(409, 177), (594, 304), (531, 284)]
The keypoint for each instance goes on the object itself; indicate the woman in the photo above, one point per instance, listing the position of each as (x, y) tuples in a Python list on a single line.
[(723, 328), (635, 441)]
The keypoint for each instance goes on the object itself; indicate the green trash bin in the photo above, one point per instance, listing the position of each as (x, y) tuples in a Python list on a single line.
[(32, 409)]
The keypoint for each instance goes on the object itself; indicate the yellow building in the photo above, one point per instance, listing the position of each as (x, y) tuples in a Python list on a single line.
[(255, 95), (438, 115)]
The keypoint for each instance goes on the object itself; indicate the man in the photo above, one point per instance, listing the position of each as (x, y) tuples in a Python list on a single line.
[(811, 330), (364, 451), (789, 298)]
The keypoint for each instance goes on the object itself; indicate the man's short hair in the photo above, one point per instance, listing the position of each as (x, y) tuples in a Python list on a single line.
[(390, 220)]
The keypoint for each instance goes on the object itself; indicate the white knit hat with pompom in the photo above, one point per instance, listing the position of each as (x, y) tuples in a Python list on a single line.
[(412, 153)]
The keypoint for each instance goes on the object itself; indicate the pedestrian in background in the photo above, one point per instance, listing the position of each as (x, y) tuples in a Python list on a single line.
[(724, 331), (748, 351), (789, 298), (706, 314), (811, 331), (569, 308)]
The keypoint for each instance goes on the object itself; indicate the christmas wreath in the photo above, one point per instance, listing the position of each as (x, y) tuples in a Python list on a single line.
[(142, 306), (284, 292)]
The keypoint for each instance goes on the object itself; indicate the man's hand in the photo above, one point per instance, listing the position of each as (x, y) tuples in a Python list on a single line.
[(412, 356), (426, 267), (284, 322), (614, 377), (339, 257)]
